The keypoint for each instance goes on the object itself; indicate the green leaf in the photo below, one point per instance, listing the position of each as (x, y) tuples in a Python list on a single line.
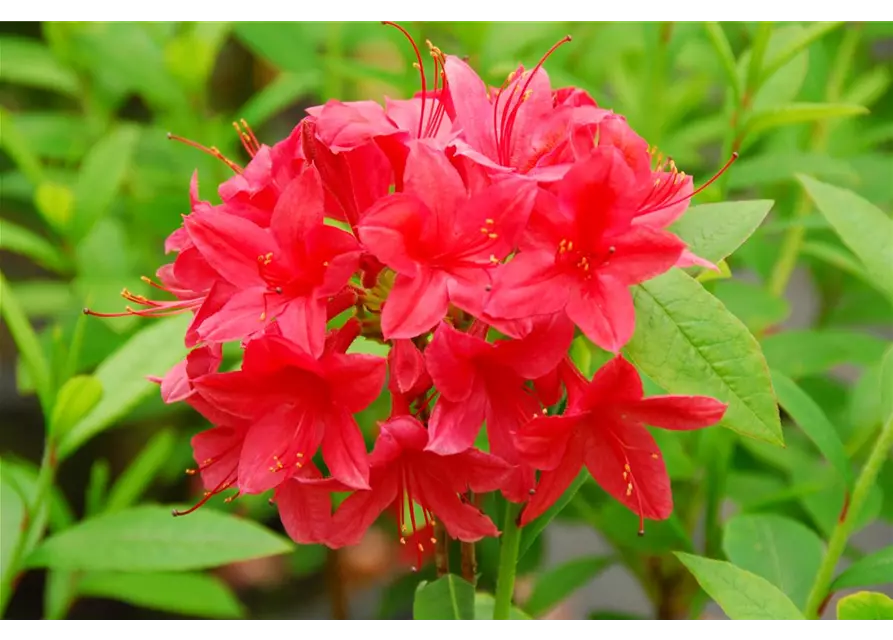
[(795, 45), (153, 350), (55, 203), (741, 594), (101, 176), (56, 135), (776, 166), (886, 385), (724, 50), (837, 257), (752, 304), (865, 605), (29, 62), (25, 242), (282, 92), (27, 343), (688, 342), (864, 228), (810, 417), (141, 471), (484, 604), (797, 354), (94, 497), (186, 594), (558, 583), (825, 504), (59, 594), (784, 551), (447, 598), (757, 54), (16, 146), (532, 530), (798, 112), (148, 538), (713, 231), (869, 571), (13, 510), (75, 399), (288, 45)]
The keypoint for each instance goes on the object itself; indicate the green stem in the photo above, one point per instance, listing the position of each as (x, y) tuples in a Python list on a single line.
[(837, 544), (508, 562), (789, 252), (35, 519)]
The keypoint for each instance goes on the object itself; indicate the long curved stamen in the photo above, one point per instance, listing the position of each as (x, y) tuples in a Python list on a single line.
[(420, 66), (224, 484), (507, 132), (246, 137), (724, 168), (212, 151)]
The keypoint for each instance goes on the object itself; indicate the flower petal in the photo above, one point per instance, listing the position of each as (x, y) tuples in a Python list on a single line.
[(357, 513), (617, 381), (604, 312), (626, 462), (528, 285), (231, 245), (298, 210), (678, 413), (461, 520), (542, 443), (344, 449), (305, 510), (454, 426), (552, 484), (414, 305), (641, 254)]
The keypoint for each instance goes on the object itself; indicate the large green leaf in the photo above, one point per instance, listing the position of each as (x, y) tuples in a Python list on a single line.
[(558, 583), (141, 471), (25, 242), (810, 417), (75, 399), (13, 511), (871, 570), (688, 342), (187, 594), (484, 604), (865, 605), (153, 350), (101, 176), (27, 343), (447, 598), (149, 538), (741, 594), (713, 231), (29, 62), (864, 228), (797, 354), (794, 45), (782, 550)]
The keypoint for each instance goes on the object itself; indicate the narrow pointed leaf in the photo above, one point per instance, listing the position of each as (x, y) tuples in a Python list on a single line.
[(75, 399), (872, 570), (724, 50), (713, 231), (794, 46), (447, 598), (141, 471), (27, 343), (798, 112), (17, 239)]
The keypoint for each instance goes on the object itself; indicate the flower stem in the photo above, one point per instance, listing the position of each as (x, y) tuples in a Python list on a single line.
[(508, 562), (864, 483), (36, 515)]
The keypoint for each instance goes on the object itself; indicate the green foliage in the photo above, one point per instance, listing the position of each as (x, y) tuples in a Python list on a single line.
[(865, 605), (447, 598)]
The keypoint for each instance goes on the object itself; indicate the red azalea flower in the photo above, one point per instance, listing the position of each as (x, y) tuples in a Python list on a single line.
[(582, 253), (305, 505), (353, 177), (604, 429), (522, 126), (481, 381), (287, 272), (296, 402), (404, 473), (441, 241), (408, 379), (664, 191)]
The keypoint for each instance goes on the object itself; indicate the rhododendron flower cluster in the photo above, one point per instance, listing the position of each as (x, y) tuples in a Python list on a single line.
[(473, 230)]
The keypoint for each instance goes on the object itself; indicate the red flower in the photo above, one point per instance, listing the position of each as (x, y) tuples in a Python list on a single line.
[(305, 505), (522, 126), (441, 240), (480, 381), (404, 474), (604, 429), (408, 379), (296, 402), (582, 253), (287, 272)]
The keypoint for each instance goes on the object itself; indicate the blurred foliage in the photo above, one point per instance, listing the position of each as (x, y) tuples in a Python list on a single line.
[(91, 185)]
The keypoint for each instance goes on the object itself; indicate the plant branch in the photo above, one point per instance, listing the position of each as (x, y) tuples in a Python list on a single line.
[(508, 562), (851, 511)]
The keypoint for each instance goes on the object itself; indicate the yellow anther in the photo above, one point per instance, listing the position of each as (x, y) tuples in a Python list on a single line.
[(492, 236), (570, 245), (655, 456), (494, 259), (433, 540), (325, 263), (626, 467), (625, 475), (629, 489), (190, 472), (402, 540), (485, 230), (545, 411), (421, 547), (489, 221), (299, 455)]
